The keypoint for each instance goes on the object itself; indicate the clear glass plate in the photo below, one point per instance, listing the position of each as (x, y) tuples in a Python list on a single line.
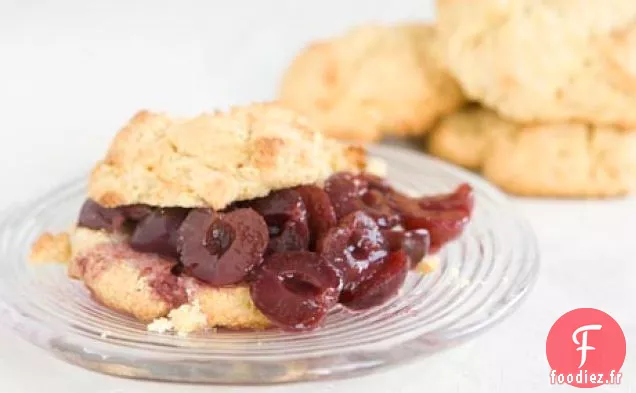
[(481, 278)]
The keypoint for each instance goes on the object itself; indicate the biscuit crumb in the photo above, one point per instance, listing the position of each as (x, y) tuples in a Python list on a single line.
[(160, 325), (376, 166), (186, 319), (428, 264), (50, 247)]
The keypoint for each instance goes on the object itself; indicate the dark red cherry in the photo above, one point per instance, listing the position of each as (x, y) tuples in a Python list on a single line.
[(94, 216), (381, 286), (158, 232), (286, 218), (443, 226), (320, 213), (137, 212), (295, 289), (344, 190), (356, 247), (444, 216), (460, 199), (349, 193), (222, 249), (375, 204), (415, 243)]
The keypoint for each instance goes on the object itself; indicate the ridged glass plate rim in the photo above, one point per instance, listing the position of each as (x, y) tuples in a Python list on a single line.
[(90, 349)]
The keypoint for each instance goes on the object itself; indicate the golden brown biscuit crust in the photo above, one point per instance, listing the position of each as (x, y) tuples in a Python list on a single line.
[(374, 80), (563, 160), (215, 159)]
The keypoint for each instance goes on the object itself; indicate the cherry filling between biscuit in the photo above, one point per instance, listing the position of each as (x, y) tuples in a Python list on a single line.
[(302, 249)]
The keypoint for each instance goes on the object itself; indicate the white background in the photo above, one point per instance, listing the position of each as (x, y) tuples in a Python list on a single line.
[(71, 73)]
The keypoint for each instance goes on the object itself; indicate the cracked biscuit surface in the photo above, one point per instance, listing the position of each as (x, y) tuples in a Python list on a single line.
[(545, 61), (563, 160), (216, 158), (373, 81)]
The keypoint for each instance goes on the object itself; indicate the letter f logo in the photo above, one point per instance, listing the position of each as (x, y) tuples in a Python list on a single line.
[(583, 344)]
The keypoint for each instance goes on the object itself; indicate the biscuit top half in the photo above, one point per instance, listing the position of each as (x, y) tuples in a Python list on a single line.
[(217, 158)]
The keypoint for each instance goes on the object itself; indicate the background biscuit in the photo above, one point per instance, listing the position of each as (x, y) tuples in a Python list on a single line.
[(545, 61), (372, 81), (565, 160)]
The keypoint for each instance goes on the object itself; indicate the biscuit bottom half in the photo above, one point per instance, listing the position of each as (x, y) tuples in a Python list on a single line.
[(142, 285)]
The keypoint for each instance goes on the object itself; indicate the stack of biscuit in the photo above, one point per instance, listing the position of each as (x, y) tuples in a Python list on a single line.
[(550, 86)]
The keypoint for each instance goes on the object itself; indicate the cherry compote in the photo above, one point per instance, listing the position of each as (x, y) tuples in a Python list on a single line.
[(443, 216), (157, 232), (301, 249), (350, 193), (356, 247), (222, 248), (321, 215), (295, 289), (415, 243), (381, 286), (286, 216)]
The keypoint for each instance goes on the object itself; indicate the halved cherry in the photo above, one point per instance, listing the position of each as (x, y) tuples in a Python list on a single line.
[(374, 203), (136, 212), (295, 289), (356, 247), (444, 216), (286, 218), (94, 216), (344, 190), (158, 231), (460, 199), (415, 243), (349, 193), (222, 249), (320, 213), (381, 286)]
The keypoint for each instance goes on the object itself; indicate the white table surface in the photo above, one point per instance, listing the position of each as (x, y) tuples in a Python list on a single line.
[(72, 73)]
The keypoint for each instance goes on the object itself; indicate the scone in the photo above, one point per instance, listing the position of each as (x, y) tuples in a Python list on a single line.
[(244, 219), (464, 137), (545, 61), (564, 159), (373, 81)]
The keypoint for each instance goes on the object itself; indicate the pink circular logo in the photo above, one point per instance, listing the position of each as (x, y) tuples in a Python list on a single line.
[(586, 348)]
